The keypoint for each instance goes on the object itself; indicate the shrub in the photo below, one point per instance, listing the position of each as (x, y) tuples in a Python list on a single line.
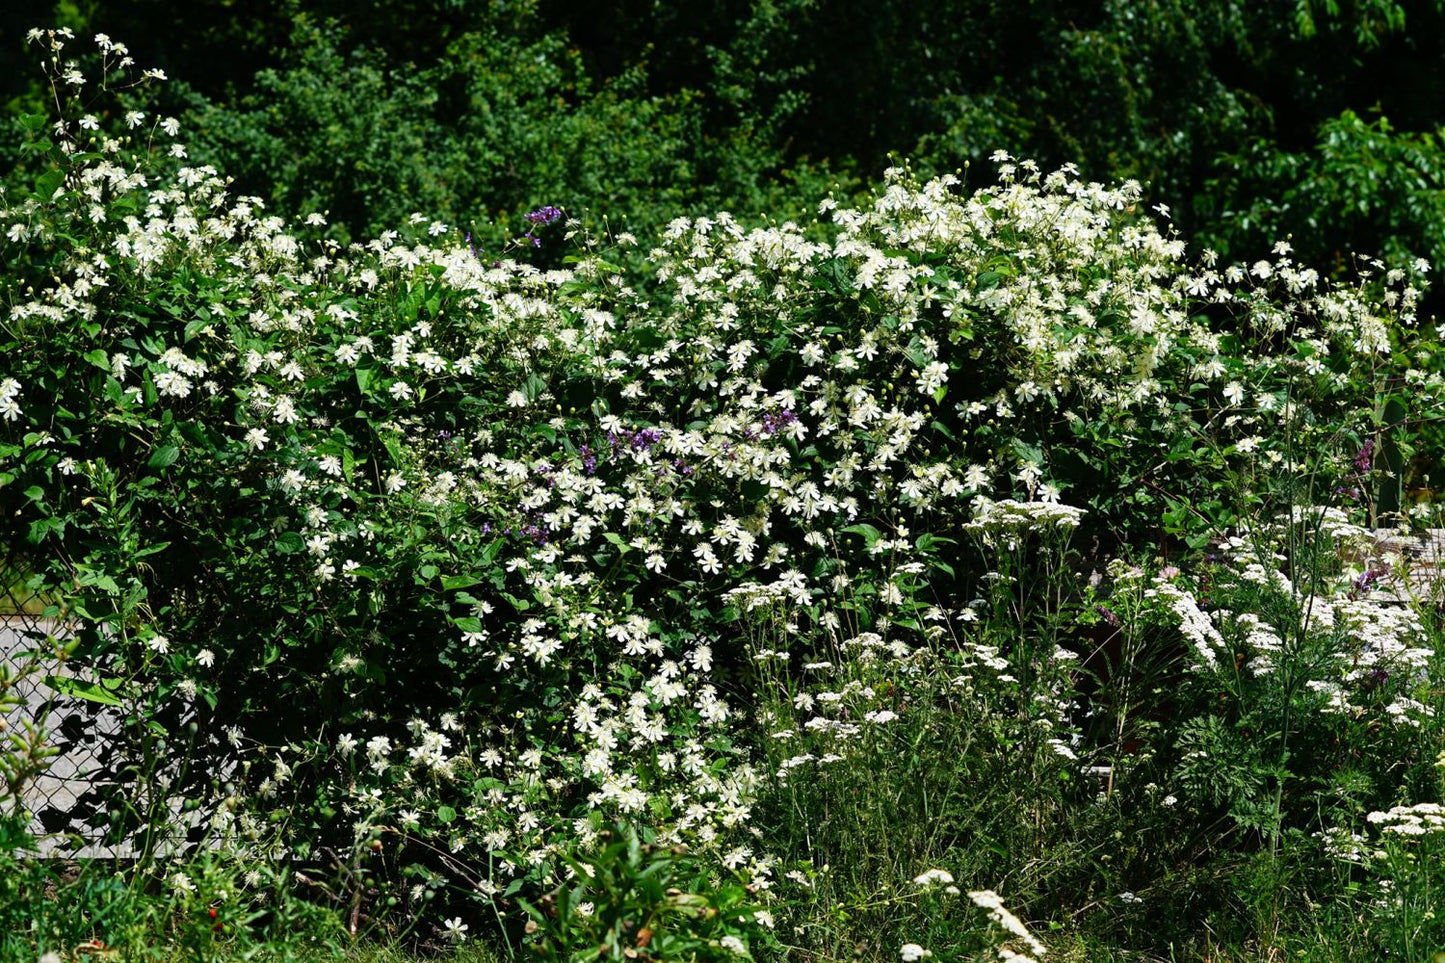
[(428, 557)]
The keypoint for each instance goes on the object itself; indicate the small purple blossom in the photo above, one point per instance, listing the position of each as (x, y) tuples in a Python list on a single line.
[(544, 215), (645, 438), (1362, 460), (1367, 581), (773, 422), (639, 440)]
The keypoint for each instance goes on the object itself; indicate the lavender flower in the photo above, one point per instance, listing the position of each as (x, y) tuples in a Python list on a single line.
[(544, 215), (1362, 460)]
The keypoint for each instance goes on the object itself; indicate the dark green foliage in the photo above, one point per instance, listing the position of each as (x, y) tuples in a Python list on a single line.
[(1251, 121), (632, 898)]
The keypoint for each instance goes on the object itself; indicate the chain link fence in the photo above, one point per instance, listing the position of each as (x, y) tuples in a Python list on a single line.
[(59, 758)]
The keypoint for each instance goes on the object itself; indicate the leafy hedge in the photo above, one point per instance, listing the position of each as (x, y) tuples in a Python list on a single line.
[(1252, 121), (444, 561)]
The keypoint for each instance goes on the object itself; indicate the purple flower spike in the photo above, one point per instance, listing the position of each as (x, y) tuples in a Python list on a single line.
[(1362, 460), (544, 215), (773, 423)]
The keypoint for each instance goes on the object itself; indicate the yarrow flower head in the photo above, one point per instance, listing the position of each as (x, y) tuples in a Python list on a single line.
[(989, 900), (933, 877)]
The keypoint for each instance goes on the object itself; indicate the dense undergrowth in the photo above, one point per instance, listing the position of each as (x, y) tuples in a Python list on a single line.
[(851, 589)]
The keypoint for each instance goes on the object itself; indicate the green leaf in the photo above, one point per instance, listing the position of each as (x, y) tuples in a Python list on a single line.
[(446, 815), (1032, 454), (151, 549), (617, 540), (289, 543), (48, 183), (163, 457), (869, 533), (928, 541), (451, 582), (42, 527), (78, 689), (646, 338)]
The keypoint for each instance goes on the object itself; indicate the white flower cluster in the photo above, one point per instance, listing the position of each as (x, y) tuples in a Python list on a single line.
[(1417, 820), (9, 407), (1357, 643), (989, 900), (1009, 518), (1193, 623), (733, 438)]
